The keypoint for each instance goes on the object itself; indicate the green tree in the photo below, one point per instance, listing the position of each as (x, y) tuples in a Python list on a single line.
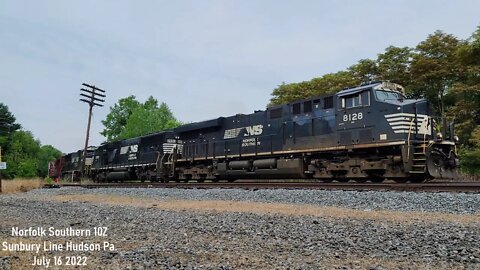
[(366, 70), (7, 120), (21, 151), (130, 118), (285, 93), (8, 125), (149, 118), (467, 110), (21, 155), (467, 90), (46, 154), (470, 155), (326, 84), (117, 119), (333, 82), (394, 65), (435, 69)]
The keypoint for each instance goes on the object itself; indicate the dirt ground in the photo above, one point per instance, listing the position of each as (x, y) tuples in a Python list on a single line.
[(270, 208)]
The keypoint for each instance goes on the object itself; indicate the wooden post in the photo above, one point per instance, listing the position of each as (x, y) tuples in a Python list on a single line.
[(86, 139)]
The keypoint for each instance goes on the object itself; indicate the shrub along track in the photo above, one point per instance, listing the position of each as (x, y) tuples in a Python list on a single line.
[(470, 187)]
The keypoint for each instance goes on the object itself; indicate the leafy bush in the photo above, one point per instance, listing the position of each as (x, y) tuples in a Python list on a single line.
[(49, 181), (470, 161)]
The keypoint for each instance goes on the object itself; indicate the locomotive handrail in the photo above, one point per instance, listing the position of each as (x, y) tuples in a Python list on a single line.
[(425, 142), (408, 138), (416, 121)]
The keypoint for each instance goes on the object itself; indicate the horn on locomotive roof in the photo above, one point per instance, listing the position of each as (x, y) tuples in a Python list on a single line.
[(391, 86)]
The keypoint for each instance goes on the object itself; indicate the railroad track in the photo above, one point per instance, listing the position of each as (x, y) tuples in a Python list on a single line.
[(470, 187)]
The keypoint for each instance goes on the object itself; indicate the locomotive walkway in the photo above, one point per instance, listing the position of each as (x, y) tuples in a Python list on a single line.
[(470, 187)]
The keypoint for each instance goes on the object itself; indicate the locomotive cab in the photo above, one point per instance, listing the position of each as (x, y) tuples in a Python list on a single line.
[(381, 114)]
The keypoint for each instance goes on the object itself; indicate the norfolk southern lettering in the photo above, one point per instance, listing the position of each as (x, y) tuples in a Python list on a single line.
[(51, 231)]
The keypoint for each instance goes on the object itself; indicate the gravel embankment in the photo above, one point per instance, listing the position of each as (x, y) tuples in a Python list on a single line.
[(456, 203), (298, 229)]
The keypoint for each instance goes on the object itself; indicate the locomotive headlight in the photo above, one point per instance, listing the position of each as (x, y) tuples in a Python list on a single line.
[(439, 136), (456, 139)]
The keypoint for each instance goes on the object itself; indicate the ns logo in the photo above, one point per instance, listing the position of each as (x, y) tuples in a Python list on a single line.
[(253, 130)]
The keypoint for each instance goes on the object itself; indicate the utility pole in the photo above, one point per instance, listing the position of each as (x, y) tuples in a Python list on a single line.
[(0, 170), (91, 97)]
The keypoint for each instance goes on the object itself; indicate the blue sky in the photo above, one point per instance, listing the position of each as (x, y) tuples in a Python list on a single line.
[(203, 58)]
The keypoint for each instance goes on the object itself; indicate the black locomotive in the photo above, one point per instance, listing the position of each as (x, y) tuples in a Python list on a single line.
[(372, 132)]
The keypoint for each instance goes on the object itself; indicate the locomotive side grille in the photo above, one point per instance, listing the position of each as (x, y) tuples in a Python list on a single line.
[(402, 123), (345, 137), (168, 148), (232, 133)]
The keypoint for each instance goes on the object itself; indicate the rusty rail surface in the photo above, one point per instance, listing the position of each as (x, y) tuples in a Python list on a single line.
[(470, 187)]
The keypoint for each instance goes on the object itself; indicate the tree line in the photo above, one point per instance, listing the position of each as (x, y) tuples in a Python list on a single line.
[(129, 118), (24, 155), (443, 69)]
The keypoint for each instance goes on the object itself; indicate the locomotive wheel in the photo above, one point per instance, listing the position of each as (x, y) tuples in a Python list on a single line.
[(343, 180), (360, 180), (327, 180)]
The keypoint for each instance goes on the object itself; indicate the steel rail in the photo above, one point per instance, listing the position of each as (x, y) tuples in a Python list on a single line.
[(470, 187)]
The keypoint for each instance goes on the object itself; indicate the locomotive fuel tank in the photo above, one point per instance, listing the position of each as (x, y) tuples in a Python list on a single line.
[(119, 176), (269, 163)]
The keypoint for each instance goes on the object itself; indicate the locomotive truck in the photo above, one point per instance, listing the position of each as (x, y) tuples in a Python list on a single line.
[(371, 132)]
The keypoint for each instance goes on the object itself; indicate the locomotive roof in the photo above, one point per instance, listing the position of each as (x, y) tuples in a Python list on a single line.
[(344, 92), (350, 91), (217, 121), (156, 133), (389, 86), (200, 125)]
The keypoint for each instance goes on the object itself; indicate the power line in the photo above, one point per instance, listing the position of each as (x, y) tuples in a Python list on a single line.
[(91, 96)]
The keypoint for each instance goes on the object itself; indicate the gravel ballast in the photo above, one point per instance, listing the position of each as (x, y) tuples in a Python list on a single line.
[(148, 234)]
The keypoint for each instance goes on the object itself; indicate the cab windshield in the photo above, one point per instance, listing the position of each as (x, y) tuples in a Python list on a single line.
[(383, 95)]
